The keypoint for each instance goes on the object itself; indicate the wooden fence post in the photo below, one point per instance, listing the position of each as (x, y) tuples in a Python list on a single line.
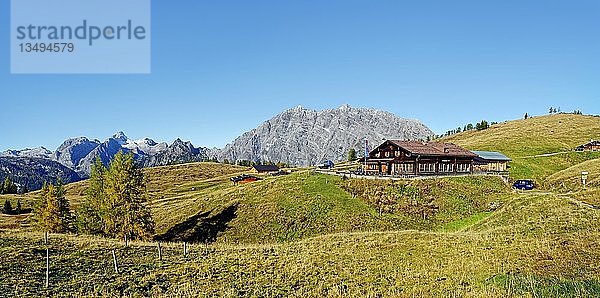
[(46, 237), (125, 240), (159, 252), (184, 249), (47, 267), (115, 261)]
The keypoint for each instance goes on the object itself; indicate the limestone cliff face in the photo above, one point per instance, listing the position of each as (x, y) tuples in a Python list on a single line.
[(302, 137)]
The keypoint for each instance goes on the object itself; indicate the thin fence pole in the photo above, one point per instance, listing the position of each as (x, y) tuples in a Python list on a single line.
[(184, 249), (47, 267), (46, 237), (125, 240), (115, 261), (159, 252)]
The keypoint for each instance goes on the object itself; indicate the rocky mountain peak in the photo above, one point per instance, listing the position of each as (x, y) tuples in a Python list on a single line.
[(302, 136), (120, 137)]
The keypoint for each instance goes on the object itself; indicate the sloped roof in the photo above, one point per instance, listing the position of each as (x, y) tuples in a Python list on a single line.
[(591, 143), (432, 148), (266, 168), (491, 155)]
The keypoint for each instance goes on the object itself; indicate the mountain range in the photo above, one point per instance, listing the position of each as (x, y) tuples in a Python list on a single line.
[(297, 136), (73, 159)]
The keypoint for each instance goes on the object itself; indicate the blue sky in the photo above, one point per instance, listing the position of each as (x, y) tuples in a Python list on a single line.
[(220, 68)]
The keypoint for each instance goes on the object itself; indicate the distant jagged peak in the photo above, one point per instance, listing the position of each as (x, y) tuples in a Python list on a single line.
[(37, 152), (120, 137), (345, 107), (342, 108)]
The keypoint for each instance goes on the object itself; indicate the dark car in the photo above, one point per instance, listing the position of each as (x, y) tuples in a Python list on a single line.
[(524, 184), (328, 164)]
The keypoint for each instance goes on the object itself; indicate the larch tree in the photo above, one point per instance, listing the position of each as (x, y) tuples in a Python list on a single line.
[(52, 213), (89, 220), (116, 201)]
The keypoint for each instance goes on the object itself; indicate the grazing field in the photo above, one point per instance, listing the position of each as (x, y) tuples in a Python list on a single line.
[(533, 136), (539, 146), (198, 203), (541, 168), (300, 205), (570, 179), (536, 245), (314, 235)]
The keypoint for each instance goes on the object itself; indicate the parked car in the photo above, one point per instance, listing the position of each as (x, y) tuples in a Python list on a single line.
[(328, 164), (524, 184)]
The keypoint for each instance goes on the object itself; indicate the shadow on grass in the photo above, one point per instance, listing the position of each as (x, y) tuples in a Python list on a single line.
[(201, 228)]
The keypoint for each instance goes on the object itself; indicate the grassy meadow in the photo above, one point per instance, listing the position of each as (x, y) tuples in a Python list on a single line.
[(313, 235), (539, 146), (536, 246)]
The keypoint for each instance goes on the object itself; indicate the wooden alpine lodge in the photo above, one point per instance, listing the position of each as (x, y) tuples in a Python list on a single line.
[(417, 158)]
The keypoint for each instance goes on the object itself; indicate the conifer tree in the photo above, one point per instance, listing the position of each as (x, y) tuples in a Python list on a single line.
[(52, 212), (115, 205), (352, 154), (7, 207), (18, 208), (125, 191), (9, 187), (88, 213)]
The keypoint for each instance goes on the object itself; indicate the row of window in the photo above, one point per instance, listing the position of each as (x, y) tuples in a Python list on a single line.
[(404, 168), (446, 167), (426, 167), (372, 167), (463, 167), (388, 153)]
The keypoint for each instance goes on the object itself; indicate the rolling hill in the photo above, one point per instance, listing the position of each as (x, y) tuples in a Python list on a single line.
[(188, 199), (314, 235), (539, 146), (536, 246)]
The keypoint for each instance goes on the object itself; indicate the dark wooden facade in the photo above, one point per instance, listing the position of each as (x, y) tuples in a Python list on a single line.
[(415, 158), (593, 145), (264, 169)]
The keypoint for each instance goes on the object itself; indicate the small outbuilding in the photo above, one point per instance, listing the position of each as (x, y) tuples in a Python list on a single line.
[(244, 178), (593, 145), (490, 161), (264, 169)]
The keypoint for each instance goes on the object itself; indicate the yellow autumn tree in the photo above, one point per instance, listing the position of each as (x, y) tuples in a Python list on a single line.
[(117, 198), (52, 213)]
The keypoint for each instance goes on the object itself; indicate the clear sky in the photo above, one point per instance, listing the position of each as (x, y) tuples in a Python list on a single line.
[(220, 68)]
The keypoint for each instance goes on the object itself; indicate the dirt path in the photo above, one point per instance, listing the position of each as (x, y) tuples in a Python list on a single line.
[(563, 196), (545, 155), (578, 202)]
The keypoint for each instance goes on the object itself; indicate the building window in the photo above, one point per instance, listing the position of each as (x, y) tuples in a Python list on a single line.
[(426, 167), (408, 168), (463, 167), (387, 154), (446, 167)]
